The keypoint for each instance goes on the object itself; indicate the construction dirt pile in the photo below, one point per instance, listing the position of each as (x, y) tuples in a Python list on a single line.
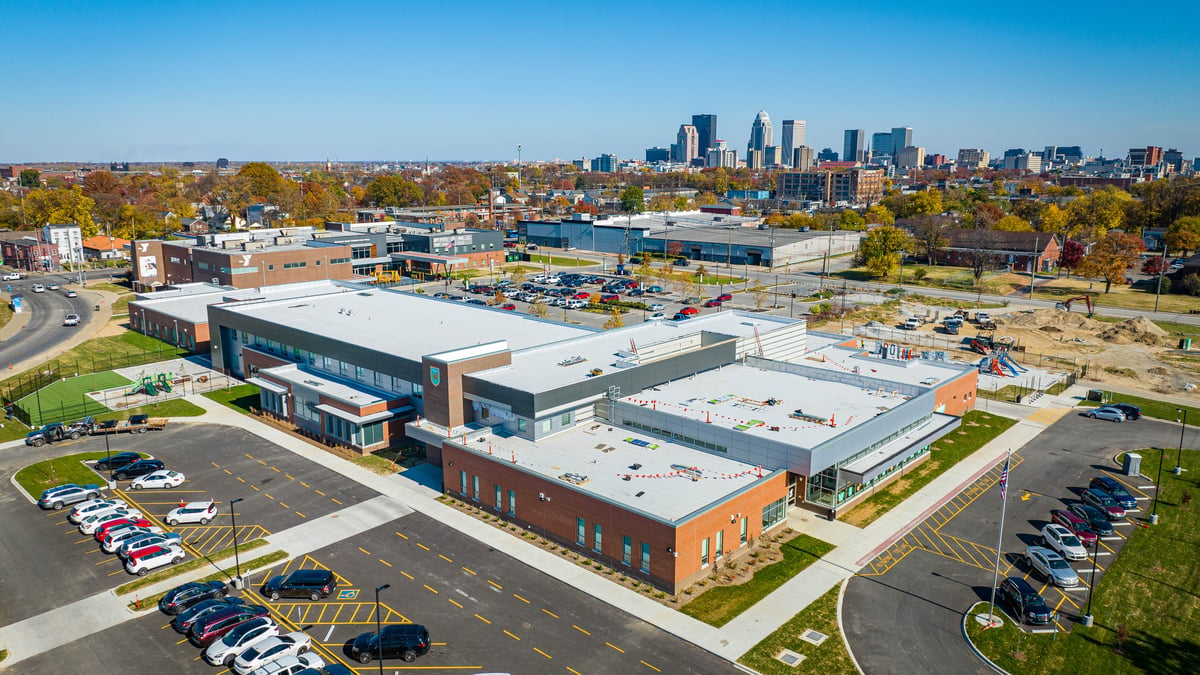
[(1050, 321), (1138, 329)]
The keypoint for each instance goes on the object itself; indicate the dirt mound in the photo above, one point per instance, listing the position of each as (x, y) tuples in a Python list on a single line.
[(1139, 329), (1042, 318)]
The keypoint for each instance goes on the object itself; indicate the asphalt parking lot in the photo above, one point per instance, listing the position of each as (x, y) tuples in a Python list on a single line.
[(280, 489), (909, 600)]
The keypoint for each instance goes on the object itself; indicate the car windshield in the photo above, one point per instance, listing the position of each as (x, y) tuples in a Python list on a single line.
[(1070, 540), (1032, 598), (1105, 500), (1058, 564)]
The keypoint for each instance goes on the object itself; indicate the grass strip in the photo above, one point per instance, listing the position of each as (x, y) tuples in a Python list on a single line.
[(188, 566), (1162, 410), (828, 657), (241, 398), (151, 601), (978, 428), (175, 407), (1146, 607), (69, 469), (720, 604)]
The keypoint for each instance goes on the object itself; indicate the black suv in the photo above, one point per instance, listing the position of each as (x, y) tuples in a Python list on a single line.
[(180, 598), (1024, 601), (116, 461), (139, 468), (311, 584), (1132, 412), (406, 641)]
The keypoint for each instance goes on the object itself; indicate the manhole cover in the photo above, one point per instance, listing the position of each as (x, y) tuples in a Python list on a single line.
[(813, 637), (790, 657)]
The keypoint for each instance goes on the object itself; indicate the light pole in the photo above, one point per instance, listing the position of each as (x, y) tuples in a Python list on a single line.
[(108, 462), (378, 627), (237, 564), (1157, 487), (519, 186), (1087, 617), (1179, 458)]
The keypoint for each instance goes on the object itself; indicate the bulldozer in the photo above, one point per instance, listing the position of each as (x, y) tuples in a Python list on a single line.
[(1065, 305)]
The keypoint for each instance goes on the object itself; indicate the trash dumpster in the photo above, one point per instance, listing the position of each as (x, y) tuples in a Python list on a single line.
[(1133, 464), (1095, 395), (1185, 343)]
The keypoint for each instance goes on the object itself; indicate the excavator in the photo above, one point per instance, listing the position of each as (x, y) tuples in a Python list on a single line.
[(1065, 305)]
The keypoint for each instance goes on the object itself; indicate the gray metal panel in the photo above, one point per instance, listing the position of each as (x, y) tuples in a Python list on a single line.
[(847, 476)]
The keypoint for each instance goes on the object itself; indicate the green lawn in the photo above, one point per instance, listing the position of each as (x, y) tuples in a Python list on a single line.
[(1150, 588), (718, 605), (193, 564), (121, 304), (151, 601), (68, 399), (828, 658), (70, 469), (240, 398), (175, 407), (101, 354), (560, 261), (978, 428), (1162, 410)]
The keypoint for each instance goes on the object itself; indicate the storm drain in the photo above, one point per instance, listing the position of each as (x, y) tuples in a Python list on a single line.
[(813, 637), (790, 657)]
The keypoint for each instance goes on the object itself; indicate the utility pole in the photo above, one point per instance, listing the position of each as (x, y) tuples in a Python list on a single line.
[(1033, 261), (1161, 268)]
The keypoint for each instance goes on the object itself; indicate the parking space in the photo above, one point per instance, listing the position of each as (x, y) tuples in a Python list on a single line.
[(484, 611), (924, 581)]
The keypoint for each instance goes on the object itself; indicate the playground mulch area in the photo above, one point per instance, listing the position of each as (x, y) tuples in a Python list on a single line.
[(68, 399)]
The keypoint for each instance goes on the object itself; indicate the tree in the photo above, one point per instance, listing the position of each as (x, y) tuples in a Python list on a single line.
[(615, 320), (265, 182), (879, 215), (633, 199), (1090, 218), (1111, 257), (1053, 220), (394, 191), (1012, 224), (705, 198), (30, 178), (980, 253), (681, 203), (929, 237), (1184, 234), (66, 205), (1154, 265), (987, 215), (1190, 285), (849, 219), (585, 207), (880, 250), (662, 203), (1072, 255), (539, 309), (927, 202)]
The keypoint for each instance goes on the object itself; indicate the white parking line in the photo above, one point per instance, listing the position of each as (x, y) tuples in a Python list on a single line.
[(329, 632), (1042, 630), (1077, 589), (1110, 538), (1145, 487), (1104, 553), (1122, 523)]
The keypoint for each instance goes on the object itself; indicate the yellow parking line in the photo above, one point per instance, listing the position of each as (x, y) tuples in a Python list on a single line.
[(261, 462), (120, 570), (319, 492), (455, 603), (402, 536), (283, 505), (520, 598), (651, 667), (542, 653), (335, 614), (276, 470), (615, 647), (365, 551), (423, 546), (290, 476), (512, 636), (580, 629), (335, 501), (482, 619), (305, 484), (227, 471), (410, 577), (385, 562), (301, 515), (573, 671), (498, 586), (241, 479), (254, 487), (268, 495), (549, 612), (429, 588), (215, 464), (469, 571), (445, 558)]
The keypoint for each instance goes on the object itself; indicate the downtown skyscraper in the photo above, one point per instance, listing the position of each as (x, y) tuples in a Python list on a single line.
[(854, 147), (793, 136), (706, 132)]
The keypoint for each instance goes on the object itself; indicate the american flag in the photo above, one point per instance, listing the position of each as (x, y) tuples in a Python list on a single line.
[(1004, 480)]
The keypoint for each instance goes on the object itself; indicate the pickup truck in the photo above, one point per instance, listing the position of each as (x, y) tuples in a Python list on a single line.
[(59, 431), (912, 324), (12, 276), (985, 321)]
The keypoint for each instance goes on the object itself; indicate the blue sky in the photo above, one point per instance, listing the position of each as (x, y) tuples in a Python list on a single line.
[(173, 81)]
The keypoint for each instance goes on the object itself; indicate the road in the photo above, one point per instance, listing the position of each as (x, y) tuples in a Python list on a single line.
[(44, 332)]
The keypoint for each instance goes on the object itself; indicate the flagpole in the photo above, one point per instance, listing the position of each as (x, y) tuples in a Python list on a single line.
[(996, 572)]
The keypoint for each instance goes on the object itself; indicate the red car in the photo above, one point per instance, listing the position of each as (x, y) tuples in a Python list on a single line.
[(609, 297), (724, 297), (107, 527), (581, 296), (689, 310), (713, 303), (509, 306), (1078, 526)]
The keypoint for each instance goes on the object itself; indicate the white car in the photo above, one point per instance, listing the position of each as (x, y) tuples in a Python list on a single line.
[(71, 320), (658, 315), (271, 649), (656, 307), (92, 507), (1064, 542), (114, 540), (92, 523), (164, 478), (144, 540), (153, 558), (38, 288), (52, 287), (292, 665), (193, 512), (1051, 566), (224, 652), (12, 276)]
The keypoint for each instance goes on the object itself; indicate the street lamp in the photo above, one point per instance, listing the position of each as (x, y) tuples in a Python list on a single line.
[(1087, 617), (378, 628), (237, 565), (108, 462), (1179, 458), (1157, 487)]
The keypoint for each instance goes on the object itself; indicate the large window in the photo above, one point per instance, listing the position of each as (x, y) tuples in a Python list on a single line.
[(597, 537), (645, 557), (462, 482), (742, 531), (271, 401), (704, 552), (372, 434), (720, 552), (305, 410), (580, 532), (774, 513), (499, 498), (512, 502), (475, 488), (340, 428), (626, 550)]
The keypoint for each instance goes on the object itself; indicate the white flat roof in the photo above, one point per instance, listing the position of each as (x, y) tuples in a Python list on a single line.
[(661, 487), (407, 325), (916, 371), (192, 303), (357, 394), (740, 397), (537, 368)]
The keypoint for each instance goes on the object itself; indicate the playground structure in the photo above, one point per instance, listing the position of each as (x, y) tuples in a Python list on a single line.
[(386, 277), (151, 385), (1001, 364)]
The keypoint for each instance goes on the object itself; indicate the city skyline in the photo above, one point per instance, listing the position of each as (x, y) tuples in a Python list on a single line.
[(298, 82)]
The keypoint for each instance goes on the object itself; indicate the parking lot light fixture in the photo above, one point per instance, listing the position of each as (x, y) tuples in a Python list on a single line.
[(237, 565), (108, 462), (1157, 487), (1183, 427), (378, 627), (1087, 617)]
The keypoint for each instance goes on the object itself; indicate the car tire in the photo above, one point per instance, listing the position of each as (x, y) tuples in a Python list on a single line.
[(204, 521), (74, 435), (119, 476), (136, 486), (142, 572), (168, 486), (274, 595), (176, 560), (93, 495), (364, 657), (141, 430), (409, 656), (1117, 420), (229, 661), (314, 596), (39, 443), (57, 506), (172, 522)]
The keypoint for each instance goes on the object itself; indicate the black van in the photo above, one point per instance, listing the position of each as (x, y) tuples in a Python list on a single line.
[(1024, 601), (406, 641), (311, 584)]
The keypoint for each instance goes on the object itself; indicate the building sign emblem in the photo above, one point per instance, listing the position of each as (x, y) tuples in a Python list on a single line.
[(435, 375)]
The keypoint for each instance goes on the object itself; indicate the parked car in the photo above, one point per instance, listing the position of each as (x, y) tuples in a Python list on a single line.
[(658, 315), (184, 619), (153, 558), (712, 303), (1027, 605), (1096, 521), (108, 525), (1132, 412), (292, 665), (71, 320), (65, 495), (1051, 566), (223, 652), (654, 289), (1063, 541), (680, 316), (141, 467), (508, 306), (655, 307), (689, 310), (94, 522), (193, 512), (12, 276), (92, 507), (165, 479), (114, 540), (725, 297), (405, 641), (145, 540), (912, 324), (681, 262), (214, 626), (271, 649), (609, 297), (1103, 503), (117, 461), (1115, 490), (1078, 526), (311, 584), (1110, 414)]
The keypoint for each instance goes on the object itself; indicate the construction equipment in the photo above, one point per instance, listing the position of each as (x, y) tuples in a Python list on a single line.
[(1065, 305)]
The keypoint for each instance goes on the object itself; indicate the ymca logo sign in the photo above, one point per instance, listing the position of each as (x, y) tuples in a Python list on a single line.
[(435, 375)]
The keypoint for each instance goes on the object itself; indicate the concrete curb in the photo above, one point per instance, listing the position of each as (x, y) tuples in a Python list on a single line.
[(842, 626), (975, 650)]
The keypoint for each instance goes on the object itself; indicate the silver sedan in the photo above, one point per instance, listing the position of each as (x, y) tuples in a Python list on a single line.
[(1051, 566)]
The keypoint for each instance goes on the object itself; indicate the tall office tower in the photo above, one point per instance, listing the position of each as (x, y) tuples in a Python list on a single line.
[(754, 159), (910, 157), (1150, 155), (720, 156), (802, 158), (973, 159), (793, 137), (706, 128), (827, 155), (881, 143), (1050, 154), (687, 144), (772, 156), (853, 149), (760, 132), (901, 138), (657, 154), (1174, 159)]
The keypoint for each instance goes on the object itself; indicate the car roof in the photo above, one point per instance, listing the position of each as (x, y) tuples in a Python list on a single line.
[(315, 575), (1020, 584), (1058, 528), (1043, 550)]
